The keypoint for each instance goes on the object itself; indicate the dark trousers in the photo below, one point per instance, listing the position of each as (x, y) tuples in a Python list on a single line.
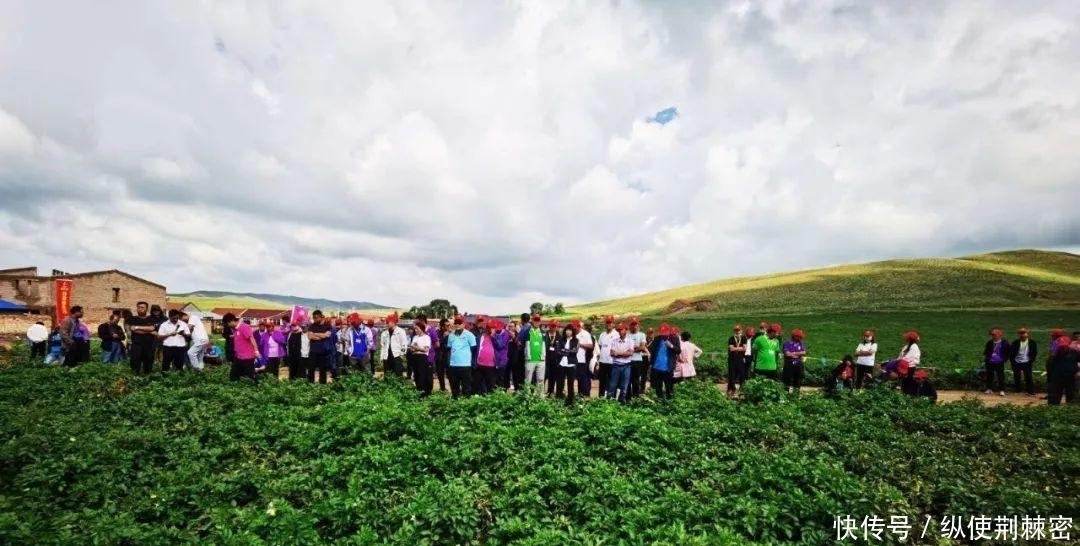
[(297, 369), (1058, 387), (442, 362), (392, 366), (422, 372), (603, 376), (663, 383), (141, 358), (995, 377), (409, 365), (173, 358), (486, 382), (584, 377), (736, 372), (1025, 370), (517, 371), (242, 368), (863, 375), (554, 374), (318, 363), (38, 350), (569, 376), (794, 373), (272, 366), (372, 359), (639, 372), (502, 377), (460, 380)]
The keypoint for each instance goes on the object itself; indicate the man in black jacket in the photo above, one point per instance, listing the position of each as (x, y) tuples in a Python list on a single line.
[(112, 339), (1022, 354)]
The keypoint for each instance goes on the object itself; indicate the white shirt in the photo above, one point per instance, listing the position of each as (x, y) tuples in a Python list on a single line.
[(584, 338), (423, 341), (198, 332), (305, 346), (866, 360), (400, 342), (619, 345), (913, 355), (605, 340), (565, 362), (638, 338), (175, 332)]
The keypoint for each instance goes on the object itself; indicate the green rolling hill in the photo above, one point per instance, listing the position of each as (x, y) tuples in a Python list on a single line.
[(1019, 279)]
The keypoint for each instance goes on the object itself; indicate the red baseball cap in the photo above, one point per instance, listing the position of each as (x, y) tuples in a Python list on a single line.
[(621, 327), (1022, 331), (536, 317), (920, 374), (553, 323), (665, 330), (995, 332), (738, 327), (750, 331), (798, 334), (776, 328), (1057, 332), (575, 323), (634, 320), (911, 336), (609, 320)]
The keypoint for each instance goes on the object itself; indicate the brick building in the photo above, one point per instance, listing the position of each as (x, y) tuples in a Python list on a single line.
[(98, 292)]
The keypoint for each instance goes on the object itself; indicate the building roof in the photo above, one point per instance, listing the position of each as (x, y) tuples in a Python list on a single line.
[(264, 314), (169, 306), (12, 306), (226, 310), (21, 272)]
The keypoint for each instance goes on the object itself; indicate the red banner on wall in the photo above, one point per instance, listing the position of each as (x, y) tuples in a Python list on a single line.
[(63, 299)]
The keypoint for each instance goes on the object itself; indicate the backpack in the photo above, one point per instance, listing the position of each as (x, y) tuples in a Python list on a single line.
[(535, 348)]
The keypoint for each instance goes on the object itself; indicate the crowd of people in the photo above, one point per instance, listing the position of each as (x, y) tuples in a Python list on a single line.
[(547, 358)]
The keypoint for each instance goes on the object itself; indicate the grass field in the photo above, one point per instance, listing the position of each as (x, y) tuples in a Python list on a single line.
[(1023, 279)]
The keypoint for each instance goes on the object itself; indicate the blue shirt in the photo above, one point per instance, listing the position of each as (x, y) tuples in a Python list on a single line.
[(461, 348), (660, 359)]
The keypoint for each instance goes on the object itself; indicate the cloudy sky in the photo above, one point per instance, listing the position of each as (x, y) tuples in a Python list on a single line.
[(498, 153)]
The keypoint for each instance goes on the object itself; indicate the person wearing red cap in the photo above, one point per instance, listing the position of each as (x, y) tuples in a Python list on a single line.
[(622, 350), (922, 387), (295, 354), (639, 363), (665, 349), (320, 352), (794, 353), (485, 359), (911, 355), (521, 374), (995, 354), (1064, 369), (604, 340), (442, 356), (1022, 354), (393, 344), (766, 351), (460, 343), (736, 367), (841, 378), (355, 343), (552, 371), (865, 359)]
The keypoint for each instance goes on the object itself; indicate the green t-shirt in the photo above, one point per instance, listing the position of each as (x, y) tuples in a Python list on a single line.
[(765, 353)]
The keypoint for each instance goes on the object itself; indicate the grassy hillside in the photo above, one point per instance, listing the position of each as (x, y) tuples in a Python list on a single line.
[(207, 300), (1023, 279)]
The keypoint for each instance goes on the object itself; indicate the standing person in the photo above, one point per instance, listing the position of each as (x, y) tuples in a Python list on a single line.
[(519, 372), (354, 343), (228, 332), (865, 359), (158, 317), (766, 349), (605, 360), (393, 343), (200, 341), (535, 355), (1064, 361), (622, 349), (112, 339), (912, 355), (435, 343), (584, 358), (688, 351), (500, 339), (373, 340), (294, 352), (485, 360), (246, 350), (552, 369), (638, 368), (319, 350), (442, 356), (71, 334), (995, 354), (665, 351), (1022, 354), (38, 338), (751, 335), (419, 349), (460, 342), (277, 337), (569, 350), (794, 353), (174, 336), (736, 358), (144, 339)]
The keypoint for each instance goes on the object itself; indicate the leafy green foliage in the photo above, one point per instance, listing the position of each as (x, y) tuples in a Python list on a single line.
[(95, 456)]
